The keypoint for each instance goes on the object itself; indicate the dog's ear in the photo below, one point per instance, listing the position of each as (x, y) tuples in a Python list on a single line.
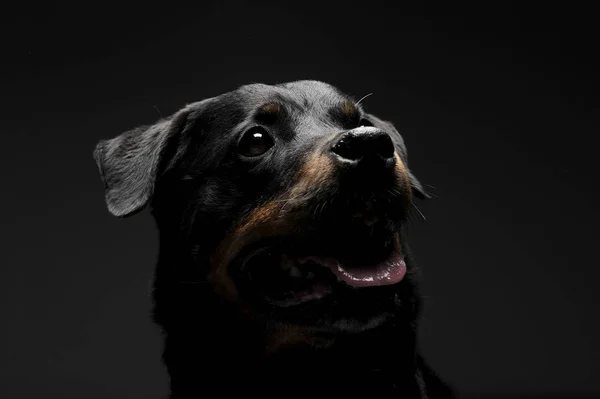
[(416, 185), (129, 164)]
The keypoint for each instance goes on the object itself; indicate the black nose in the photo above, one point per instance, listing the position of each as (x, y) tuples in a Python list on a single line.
[(365, 143)]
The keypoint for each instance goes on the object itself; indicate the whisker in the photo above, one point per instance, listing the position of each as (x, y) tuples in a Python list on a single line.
[(418, 210), (358, 102), (323, 208), (158, 110), (286, 202), (430, 187), (290, 198), (189, 225), (315, 211)]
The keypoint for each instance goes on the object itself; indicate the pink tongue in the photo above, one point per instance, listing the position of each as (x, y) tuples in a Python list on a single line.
[(390, 271)]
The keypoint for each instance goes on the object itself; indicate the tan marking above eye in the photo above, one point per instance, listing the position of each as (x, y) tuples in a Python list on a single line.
[(403, 173), (270, 108), (268, 220), (349, 108)]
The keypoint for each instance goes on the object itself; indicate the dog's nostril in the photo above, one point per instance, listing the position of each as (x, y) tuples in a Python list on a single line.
[(360, 143)]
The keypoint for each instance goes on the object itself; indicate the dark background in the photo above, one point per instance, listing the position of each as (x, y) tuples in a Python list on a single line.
[(497, 105)]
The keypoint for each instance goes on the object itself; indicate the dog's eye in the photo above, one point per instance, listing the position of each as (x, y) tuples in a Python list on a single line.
[(364, 122), (255, 142)]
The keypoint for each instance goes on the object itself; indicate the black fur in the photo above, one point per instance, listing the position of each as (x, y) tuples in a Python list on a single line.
[(186, 166)]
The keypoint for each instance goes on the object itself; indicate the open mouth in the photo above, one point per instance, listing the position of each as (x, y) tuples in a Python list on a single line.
[(289, 275)]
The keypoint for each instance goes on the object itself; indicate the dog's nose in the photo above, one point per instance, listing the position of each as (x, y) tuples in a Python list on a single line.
[(363, 144)]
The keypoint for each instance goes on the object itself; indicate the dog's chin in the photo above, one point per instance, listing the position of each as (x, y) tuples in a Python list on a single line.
[(338, 285)]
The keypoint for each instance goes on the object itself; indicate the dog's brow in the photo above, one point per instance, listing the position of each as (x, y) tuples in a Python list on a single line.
[(269, 111), (348, 108), (345, 112)]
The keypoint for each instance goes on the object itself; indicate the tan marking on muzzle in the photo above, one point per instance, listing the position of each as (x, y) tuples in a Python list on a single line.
[(402, 172), (274, 218)]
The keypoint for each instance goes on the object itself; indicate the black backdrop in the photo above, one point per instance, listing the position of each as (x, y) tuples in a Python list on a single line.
[(497, 105)]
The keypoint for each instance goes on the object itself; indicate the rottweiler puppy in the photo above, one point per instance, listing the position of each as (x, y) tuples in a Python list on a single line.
[(283, 265)]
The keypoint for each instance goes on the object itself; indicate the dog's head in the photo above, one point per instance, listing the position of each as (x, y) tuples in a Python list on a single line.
[(289, 201)]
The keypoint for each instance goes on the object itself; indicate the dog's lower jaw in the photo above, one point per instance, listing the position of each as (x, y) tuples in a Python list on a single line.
[(208, 345), (229, 354)]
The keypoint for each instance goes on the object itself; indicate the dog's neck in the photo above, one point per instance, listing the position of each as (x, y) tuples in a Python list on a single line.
[(212, 346), (232, 356)]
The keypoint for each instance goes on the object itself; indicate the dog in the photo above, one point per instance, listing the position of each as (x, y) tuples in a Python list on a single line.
[(283, 265)]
